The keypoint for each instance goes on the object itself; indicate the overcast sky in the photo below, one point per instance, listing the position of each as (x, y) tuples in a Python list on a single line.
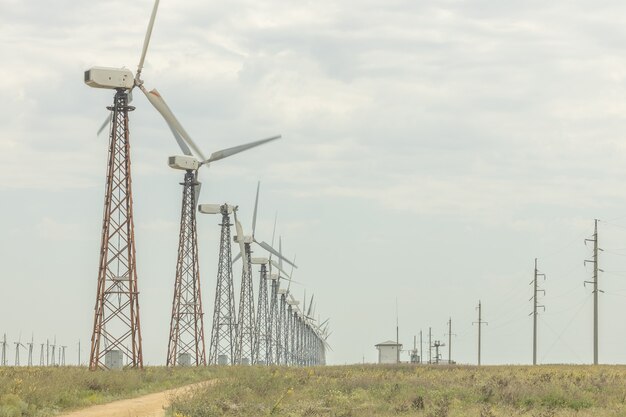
[(431, 151)]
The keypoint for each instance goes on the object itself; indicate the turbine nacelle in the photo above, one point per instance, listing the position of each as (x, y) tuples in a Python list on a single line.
[(110, 78), (184, 162), (259, 261), (214, 208), (246, 239)]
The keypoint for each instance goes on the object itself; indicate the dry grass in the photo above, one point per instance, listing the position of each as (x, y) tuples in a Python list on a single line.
[(368, 391), (48, 391)]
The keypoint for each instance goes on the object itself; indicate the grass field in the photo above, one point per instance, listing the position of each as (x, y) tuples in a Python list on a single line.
[(48, 391), (544, 391), (350, 391)]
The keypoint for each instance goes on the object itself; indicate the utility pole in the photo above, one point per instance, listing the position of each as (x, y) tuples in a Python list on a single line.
[(430, 344), (421, 349), (594, 261), (480, 323), (437, 345), (78, 352), (536, 306), (450, 334), (397, 335)]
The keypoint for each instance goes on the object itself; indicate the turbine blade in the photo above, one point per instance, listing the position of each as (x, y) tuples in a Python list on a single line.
[(225, 153), (256, 206), (273, 251), (146, 40), (240, 237), (274, 231), (196, 189), (159, 104), (275, 265), (181, 142), (308, 313), (236, 258), (290, 275), (106, 123)]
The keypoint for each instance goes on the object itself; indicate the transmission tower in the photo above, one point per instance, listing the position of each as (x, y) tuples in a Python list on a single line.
[(536, 306), (480, 323), (116, 317), (186, 339), (596, 269), (224, 330), (262, 349)]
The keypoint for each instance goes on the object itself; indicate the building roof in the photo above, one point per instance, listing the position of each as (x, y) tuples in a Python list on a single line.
[(389, 343)]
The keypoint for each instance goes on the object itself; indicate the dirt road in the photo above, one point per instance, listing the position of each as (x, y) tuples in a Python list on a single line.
[(151, 405)]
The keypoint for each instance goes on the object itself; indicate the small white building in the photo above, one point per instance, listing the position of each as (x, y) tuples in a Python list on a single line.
[(388, 352)]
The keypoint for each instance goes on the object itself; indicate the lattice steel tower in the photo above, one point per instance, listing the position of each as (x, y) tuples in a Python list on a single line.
[(116, 318), (263, 349), (186, 340), (224, 331), (245, 353)]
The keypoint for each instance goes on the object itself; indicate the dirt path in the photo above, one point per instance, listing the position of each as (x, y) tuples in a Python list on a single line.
[(151, 405)]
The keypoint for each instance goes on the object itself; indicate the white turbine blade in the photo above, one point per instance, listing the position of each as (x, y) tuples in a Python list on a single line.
[(236, 258), (256, 206), (275, 265), (290, 275), (280, 250), (308, 313), (273, 251), (181, 142), (225, 153), (274, 231), (159, 103), (197, 187), (240, 237), (146, 40), (106, 123)]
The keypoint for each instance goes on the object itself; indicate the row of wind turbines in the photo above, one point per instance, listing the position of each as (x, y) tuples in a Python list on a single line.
[(50, 354), (269, 330)]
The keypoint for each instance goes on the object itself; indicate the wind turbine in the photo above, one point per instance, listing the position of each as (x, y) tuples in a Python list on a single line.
[(4, 350), (18, 345), (224, 330), (186, 341), (247, 344), (30, 350)]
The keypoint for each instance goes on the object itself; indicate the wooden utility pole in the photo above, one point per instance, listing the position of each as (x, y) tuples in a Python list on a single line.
[(536, 306)]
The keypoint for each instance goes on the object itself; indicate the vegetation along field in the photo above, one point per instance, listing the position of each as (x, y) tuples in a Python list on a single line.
[(47, 391), (544, 391)]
